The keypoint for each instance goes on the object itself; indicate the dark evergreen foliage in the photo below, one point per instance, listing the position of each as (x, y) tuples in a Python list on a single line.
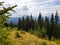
[(40, 20), (23, 23), (19, 23), (56, 33), (32, 22), (27, 23), (56, 18), (51, 30), (3, 12), (46, 25)]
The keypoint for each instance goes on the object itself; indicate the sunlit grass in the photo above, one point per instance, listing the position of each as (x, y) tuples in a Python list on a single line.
[(27, 39), (57, 41)]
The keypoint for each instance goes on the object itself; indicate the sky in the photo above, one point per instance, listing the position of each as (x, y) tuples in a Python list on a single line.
[(28, 7)]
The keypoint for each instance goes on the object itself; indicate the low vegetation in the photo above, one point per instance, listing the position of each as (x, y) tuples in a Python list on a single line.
[(28, 39)]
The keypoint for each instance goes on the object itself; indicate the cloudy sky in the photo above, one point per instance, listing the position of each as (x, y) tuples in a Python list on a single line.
[(28, 7)]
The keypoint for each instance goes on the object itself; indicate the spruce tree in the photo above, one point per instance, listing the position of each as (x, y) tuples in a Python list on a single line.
[(36, 25), (19, 23), (23, 23), (4, 14), (32, 22), (57, 29), (56, 18), (40, 21), (42, 24), (27, 23), (46, 25), (51, 31)]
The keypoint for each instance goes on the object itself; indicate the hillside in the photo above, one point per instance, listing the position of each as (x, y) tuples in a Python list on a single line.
[(24, 38)]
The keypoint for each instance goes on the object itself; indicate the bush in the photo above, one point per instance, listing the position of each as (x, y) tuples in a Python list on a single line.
[(4, 36), (39, 32), (44, 43), (17, 35), (9, 42)]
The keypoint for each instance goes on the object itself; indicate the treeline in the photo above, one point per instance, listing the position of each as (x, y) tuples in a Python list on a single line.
[(43, 26)]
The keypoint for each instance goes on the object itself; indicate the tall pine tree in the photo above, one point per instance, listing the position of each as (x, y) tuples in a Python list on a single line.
[(56, 18), (32, 22), (57, 29), (46, 25), (4, 14), (23, 23), (51, 31), (27, 23), (40, 20), (19, 24)]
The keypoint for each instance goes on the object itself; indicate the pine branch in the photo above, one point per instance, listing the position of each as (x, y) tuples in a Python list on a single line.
[(6, 10)]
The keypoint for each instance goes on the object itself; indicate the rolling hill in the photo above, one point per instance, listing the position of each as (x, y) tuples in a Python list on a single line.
[(24, 38)]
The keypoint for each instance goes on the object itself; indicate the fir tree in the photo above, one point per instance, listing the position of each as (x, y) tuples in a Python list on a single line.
[(27, 23), (40, 21), (32, 22), (56, 33), (51, 30), (56, 18), (46, 25), (3, 12), (23, 23), (19, 23)]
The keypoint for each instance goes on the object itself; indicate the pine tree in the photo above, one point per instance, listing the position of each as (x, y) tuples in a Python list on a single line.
[(46, 25), (19, 23), (42, 24), (32, 22), (40, 21), (56, 18), (3, 12), (51, 31), (57, 29), (23, 23), (36, 25), (27, 23)]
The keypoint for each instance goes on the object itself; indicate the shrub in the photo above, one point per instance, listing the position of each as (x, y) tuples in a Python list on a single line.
[(44, 43), (4, 36), (17, 35)]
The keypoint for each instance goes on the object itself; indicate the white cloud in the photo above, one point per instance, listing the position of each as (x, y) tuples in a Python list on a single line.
[(33, 6)]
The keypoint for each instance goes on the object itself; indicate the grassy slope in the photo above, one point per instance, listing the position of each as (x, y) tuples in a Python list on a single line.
[(27, 39), (57, 41)]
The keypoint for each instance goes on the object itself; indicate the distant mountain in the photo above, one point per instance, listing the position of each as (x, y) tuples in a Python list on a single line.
[(15, 19)]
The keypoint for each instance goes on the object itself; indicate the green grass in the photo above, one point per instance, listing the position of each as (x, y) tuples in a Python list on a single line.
[(58, 41), (15, 37)]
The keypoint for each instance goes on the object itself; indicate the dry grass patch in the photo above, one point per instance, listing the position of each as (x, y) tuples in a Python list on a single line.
[(28, 39)]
